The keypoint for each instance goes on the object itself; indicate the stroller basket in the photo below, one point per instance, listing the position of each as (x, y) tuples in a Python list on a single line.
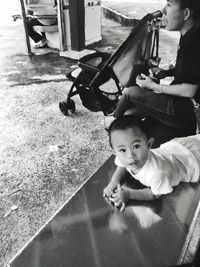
[(92, 97), (135, 55)]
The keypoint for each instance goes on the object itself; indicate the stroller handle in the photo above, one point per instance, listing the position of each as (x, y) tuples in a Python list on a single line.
[(156, 14)]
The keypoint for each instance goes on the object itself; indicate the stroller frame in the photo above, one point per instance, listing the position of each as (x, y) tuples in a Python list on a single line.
[(94, 71), (90, 77)]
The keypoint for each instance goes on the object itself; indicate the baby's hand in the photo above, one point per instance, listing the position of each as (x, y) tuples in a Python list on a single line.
[(120, 197), (110, 189)]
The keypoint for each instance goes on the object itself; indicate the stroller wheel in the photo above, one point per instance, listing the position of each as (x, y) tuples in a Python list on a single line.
[(72, 106), (67, 105), (63, 108)]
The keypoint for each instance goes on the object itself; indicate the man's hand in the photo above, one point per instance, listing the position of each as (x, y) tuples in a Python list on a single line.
[(145, 81), (158, 73)]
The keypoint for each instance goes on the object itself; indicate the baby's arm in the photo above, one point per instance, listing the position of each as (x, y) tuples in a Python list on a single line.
[(119, 174), (141, 194), (120, 197)]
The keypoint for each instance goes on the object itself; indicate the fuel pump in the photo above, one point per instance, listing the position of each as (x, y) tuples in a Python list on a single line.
[(85, 23), (92, 21)]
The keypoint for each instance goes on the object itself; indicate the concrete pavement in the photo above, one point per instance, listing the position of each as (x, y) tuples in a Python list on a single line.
[(129, 11)]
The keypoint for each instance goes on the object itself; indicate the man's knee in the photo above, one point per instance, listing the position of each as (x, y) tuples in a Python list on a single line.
[(135, 111), (134, 92)]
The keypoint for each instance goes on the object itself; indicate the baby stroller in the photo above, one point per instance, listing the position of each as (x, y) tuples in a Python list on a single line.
[(137, 53)]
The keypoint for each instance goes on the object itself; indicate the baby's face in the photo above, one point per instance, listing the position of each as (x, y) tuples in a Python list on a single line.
[(131, 147)]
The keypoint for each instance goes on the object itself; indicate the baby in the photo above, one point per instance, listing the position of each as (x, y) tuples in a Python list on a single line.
[(159, 170)]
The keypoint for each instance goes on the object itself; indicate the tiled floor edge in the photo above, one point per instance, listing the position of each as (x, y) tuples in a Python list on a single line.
[(116, 16)]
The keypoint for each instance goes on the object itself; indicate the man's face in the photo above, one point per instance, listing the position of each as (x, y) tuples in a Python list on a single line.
[(173, 15), (131, 147)]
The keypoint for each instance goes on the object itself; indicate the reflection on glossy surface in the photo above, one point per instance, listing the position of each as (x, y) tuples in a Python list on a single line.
[(146, 216), (117, 222), (88, 232), (143, 215)]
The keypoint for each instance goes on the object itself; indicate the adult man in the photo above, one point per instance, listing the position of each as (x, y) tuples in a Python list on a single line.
[(171, 104)]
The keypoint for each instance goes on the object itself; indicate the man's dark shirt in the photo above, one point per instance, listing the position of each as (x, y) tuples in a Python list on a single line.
[(187, 69)]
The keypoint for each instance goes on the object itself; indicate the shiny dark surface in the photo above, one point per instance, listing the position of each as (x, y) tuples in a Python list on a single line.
[(87, 232)]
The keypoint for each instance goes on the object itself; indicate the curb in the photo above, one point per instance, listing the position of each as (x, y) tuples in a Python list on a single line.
[(116, 16)]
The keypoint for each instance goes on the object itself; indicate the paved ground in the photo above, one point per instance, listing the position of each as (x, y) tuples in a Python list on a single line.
[(134, 9)]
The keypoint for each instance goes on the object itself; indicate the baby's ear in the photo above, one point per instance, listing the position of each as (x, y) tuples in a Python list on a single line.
[(150, 142)]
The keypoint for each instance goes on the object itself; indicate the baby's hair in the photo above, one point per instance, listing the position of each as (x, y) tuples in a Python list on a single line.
[(127, 122)]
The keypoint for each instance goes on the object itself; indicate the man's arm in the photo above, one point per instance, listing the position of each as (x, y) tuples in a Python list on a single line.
[(183, 89), (159, 73), (170, 72)]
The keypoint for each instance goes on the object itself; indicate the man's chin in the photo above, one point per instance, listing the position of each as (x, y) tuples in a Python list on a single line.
[(170, 28), (164, 23)]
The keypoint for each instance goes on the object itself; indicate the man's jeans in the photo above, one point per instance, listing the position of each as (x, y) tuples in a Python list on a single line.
[(174, 111)]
